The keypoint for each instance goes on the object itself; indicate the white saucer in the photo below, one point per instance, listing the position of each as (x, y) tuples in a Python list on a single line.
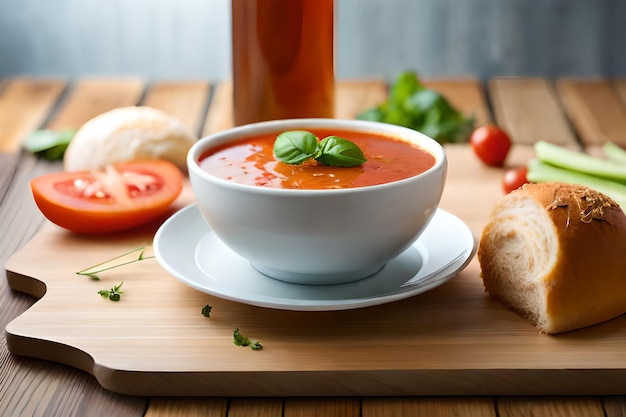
[(188, 249)]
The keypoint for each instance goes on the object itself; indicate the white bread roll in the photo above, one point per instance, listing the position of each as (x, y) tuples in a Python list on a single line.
[(556, 254), (128, 133)]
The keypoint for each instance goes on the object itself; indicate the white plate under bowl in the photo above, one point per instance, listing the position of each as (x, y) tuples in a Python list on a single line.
[(189, 250)]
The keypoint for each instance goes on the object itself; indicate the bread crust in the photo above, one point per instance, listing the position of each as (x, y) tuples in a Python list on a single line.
[(583, 281)]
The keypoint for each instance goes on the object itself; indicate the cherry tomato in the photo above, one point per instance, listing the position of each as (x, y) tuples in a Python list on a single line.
[(514, 178), (491, 144), (123, 196)]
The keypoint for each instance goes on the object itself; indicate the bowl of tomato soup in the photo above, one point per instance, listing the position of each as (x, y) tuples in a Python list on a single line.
[(312, 223)]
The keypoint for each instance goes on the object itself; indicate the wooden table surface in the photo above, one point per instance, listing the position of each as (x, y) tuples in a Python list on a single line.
[(581, 113)]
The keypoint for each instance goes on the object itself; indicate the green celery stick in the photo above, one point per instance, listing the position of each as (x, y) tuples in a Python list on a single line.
[(614, 152), (580, 162), (539, 171)]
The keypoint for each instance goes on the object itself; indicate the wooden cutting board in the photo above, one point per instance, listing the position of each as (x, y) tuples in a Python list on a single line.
[(452, 340)]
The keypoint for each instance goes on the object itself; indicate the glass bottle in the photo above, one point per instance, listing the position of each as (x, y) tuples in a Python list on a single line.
[(283, 59)]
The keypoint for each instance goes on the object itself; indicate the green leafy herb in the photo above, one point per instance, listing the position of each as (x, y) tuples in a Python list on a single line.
[(128, 258), (241, 340), (339, 152), (206, 310), (114, 294), (49, 144), (297, 146), (412, 105)]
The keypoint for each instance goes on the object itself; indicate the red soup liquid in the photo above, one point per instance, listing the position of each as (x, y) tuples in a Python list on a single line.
[(251, 161)]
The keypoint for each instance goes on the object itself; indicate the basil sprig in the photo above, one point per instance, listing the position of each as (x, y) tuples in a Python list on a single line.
[(297, 146)]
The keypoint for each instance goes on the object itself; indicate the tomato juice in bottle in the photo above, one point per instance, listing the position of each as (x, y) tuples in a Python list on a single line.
[(283, 63)]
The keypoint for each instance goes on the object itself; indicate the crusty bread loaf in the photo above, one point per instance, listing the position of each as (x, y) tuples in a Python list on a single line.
[(129, 133), (556, 254)]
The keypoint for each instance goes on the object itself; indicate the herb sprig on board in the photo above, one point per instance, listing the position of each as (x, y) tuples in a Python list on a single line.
[(241, 340), (114, 294), (134, 255)]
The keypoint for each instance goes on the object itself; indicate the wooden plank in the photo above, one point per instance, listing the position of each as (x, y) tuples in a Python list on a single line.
[(185, 100), (220, 114), (257, 407), (327, 407), (614, 406), (92, 97), (620, 86), (355, 96), (595, 109), (550, 407), (467, 95), (528, 108), (351, 98), (38, 388), (187, 407), (24, 105), (428, 406)]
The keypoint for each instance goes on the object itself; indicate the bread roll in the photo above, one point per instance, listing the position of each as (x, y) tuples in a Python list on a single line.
[(126, 134), (556, 254)]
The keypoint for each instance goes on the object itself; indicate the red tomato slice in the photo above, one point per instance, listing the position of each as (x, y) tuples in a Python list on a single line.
[(123, 196)]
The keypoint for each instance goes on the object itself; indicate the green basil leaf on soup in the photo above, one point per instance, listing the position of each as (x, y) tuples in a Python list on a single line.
[(296, 146), (339, 152)]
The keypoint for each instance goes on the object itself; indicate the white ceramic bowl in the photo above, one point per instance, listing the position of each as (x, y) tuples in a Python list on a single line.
[(318, 236)]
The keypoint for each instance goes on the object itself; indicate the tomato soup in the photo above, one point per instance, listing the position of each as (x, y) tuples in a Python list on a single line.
[(251, 161)]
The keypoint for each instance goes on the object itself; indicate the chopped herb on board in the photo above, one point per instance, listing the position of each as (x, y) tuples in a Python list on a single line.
[(241, 340), (411, 104), (114, 294), (206, 310)]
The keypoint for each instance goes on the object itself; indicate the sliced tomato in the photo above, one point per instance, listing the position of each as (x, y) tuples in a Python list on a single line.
[(123, 196)]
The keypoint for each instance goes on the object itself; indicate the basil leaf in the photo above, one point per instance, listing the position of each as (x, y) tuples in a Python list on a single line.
[(48, 144), (404, 87), (412, 105), (296, 146), (339, 152)]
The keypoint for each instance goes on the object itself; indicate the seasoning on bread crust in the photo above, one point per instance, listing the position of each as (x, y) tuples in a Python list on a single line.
[(556, 254)]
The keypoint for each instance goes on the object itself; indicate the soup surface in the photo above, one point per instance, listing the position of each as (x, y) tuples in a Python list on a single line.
[(251, 161)]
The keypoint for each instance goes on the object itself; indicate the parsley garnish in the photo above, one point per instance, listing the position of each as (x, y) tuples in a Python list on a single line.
[(241, 340), (114, 294), (206, 310)]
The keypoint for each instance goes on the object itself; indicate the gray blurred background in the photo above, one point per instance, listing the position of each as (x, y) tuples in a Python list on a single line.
[(190, 39)]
